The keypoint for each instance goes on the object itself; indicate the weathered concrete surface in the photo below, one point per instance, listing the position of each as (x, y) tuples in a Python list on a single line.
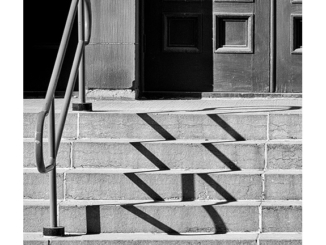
[(148, 239), (285, 126), (36, 185), (284, 155), (280, 239), (204, 106), (170, 217), (168, 154), (69, 131), (63, 157), (36, 216), (35, 242), (173, 126), (283, 185), (90, 184), (282, 217)]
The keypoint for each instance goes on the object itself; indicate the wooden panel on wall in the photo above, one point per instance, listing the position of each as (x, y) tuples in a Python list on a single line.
[(288, 47), (241, 58)]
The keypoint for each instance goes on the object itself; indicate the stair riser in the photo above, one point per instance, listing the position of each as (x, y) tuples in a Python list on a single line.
[(142, 186), (172, 155), (282, 219), (165, 242), (166, 219), (169, 156), (146, 242), (178, 126), (163, 187)]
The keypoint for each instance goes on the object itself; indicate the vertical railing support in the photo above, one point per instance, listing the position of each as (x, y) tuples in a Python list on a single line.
[(53, 229), (82, 105)]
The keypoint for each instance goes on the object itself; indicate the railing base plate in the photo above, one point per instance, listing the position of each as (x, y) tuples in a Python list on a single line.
[(53, 231), (82, 106)]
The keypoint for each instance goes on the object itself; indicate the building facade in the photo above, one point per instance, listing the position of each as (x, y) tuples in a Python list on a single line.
[(164, 46)]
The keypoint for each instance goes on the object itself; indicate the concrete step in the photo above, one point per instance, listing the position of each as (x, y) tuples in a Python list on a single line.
[(160, 239), (108, 184), (177, 125), (173, 154), (172, 217)]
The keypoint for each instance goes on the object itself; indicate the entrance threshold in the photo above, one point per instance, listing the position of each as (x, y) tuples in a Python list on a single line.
[(212, 95)]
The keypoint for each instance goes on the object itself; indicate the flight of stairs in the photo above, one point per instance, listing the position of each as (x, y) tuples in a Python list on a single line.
[(176, 177)]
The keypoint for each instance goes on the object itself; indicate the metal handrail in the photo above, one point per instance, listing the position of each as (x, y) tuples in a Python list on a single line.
[(84, 27)]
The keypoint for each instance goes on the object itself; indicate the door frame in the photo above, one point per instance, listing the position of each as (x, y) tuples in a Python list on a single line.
[(140, 67)]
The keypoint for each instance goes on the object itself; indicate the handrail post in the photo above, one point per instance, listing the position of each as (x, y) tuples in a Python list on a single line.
[(53, 230), (82, 105)]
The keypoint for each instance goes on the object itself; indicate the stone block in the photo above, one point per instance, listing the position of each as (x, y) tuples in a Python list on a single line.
[(283, 186), (36, 216), (168, 155), (36, 185), (285, 126), (173, 126), (157, 239), (63, 157), (159, 186), (281, 238), (284, 155), (69, 131), (282, 218), (166, 218)]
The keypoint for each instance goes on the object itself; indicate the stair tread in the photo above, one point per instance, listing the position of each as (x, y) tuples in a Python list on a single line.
[(170, 171), (170, 237), (36, 202), (176, 141)]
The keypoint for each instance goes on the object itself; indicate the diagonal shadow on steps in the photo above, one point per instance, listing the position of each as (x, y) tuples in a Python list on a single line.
[(219, 225), (156, 126), (218, 154), (188, 187), (149, 155), (143, 186), (217, 187), (146, 217), (224, 125)]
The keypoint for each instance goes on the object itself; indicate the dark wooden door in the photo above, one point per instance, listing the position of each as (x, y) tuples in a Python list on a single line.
[(44, 23), (178, 52), (288, 46), (241, 45), (252, 46)]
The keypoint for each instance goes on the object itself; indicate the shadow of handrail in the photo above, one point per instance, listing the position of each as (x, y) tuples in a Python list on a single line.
[(219, 155), (156, 126), (149, 155), (224, 125), (144, 187), (146, 217)]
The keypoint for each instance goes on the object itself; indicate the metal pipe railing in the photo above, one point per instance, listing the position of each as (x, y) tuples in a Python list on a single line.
[(54, 136)]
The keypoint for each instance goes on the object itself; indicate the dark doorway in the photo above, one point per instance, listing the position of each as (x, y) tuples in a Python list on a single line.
[(222, 46), (178, 45), (44, 23)]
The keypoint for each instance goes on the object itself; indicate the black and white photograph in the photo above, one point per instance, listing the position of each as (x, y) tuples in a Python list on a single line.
[(154, 122)]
